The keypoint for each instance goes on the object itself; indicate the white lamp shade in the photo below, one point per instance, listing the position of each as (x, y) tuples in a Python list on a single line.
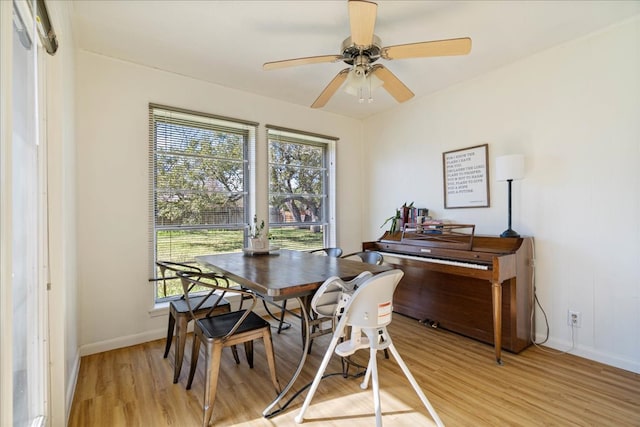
[(355, 82), (510, 167)]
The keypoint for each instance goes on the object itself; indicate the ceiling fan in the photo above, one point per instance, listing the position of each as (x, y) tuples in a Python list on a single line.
[(363, 48)]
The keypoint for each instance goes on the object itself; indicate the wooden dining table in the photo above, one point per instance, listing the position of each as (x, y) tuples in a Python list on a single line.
[(286, 274)]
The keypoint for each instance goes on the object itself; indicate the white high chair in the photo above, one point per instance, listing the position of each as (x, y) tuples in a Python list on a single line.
[(364, 304)]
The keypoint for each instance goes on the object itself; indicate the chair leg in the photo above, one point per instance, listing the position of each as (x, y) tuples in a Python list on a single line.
[(213, 353), (344, 361), (181, 340), (313, 331), (167, 346), (373, 369), (318, 377), (234, 350), (271, 360), (195, 352), (415, 386), (367, 376), (345, 367), (284, 310), (248, 351)]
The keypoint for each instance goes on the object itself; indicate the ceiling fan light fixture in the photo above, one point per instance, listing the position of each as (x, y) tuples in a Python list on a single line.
[(361, 81), (355, 82)]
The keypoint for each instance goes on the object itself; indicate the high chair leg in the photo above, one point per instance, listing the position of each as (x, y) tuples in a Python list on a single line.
[(373, 368), (415, 386), (316, 381)]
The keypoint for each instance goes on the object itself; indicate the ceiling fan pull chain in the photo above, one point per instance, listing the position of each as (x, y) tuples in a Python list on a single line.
[(370, 100)]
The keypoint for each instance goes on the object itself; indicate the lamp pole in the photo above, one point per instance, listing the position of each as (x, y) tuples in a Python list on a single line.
[(509, 232)]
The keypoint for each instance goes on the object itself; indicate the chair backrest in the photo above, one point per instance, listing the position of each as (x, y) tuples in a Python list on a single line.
[(371, 304), (326, 299), (370, 257), (175, 267), (332, 252), (212, 281), (204, 293)]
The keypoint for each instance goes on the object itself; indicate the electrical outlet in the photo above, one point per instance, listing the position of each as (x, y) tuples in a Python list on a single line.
[(574, 319)]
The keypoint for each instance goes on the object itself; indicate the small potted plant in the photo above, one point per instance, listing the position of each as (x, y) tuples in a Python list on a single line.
[(256, 240), (399, 219), (394, 222)]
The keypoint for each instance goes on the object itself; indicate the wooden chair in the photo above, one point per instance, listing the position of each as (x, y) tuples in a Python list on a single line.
[(179, 315), (224, 330)]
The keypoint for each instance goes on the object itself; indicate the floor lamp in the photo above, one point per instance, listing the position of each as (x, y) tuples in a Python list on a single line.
[(509, 168)]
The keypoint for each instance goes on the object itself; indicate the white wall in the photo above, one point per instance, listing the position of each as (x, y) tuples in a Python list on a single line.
[(573, 111), (112, 183)]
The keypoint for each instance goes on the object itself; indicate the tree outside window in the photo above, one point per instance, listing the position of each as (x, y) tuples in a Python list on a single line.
[(299, 202), (199, 199)]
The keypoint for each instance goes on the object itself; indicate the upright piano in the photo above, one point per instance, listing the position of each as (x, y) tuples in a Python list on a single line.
[(477, 286)]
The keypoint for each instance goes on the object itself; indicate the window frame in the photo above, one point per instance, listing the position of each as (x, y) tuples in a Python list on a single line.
[(24, 361), (206, 121), (328, 144)]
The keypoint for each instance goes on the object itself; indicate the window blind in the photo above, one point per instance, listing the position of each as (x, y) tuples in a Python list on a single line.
[(299, 187), (198, 189)]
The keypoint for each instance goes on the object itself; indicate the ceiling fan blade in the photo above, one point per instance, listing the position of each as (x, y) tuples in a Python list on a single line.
[(450, 47), (392, 84), (362, 19), (301, 61), (331, 88)]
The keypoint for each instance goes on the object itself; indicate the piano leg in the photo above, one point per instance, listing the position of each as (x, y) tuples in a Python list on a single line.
[(496, 289)]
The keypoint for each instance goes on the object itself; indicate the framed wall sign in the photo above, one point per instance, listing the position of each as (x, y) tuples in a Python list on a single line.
[(466, 177)]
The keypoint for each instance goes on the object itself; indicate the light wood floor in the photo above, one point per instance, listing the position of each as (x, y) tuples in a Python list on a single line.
[(133, 387)]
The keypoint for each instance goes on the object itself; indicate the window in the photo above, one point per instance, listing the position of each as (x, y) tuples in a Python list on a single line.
[(301, 189), (200, 172), (24, 358)]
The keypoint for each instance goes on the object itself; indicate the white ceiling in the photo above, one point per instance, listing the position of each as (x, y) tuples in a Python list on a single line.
[(226, 42)]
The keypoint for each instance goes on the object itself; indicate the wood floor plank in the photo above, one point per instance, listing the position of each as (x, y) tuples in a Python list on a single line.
[(133, 387)]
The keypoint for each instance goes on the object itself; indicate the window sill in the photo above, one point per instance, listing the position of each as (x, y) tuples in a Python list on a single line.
[(159, 309), (162, 308)]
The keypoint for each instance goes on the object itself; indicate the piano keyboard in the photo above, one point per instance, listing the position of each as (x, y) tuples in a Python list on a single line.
[(438, 261)]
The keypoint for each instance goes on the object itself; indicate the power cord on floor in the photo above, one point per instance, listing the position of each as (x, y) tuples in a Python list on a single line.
[(306, 386), (535, 302)]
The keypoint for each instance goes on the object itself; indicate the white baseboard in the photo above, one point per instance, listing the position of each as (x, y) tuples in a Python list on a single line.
[(146, 336), (592, 354), (125, 341), (71, 386)]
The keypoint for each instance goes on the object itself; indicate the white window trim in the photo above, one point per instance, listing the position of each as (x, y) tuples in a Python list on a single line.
[(161, 308), (330, 232)]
